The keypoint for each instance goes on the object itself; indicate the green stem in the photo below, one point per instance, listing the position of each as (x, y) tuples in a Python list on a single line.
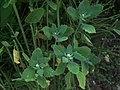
[(58, 17), (21, 27), (9, 83), (15, 37), (2, 87), (33, 36)]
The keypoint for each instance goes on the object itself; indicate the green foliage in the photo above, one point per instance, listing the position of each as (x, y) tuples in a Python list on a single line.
[(63, 41), (29, 74), (35, 15), (73, 67), (81, 79)]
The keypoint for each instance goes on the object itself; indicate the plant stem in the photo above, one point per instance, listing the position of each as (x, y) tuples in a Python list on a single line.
[(9, 84), (15, 37), (58, 17), (33, 36), (2, 87), (21, 27)]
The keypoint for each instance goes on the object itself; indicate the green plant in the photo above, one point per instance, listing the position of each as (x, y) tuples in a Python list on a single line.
[(61, 46)]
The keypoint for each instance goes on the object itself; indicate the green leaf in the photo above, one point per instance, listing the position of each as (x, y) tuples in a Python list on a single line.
[(83, 6), (73, 67), (84, 68), (44, 60), (28, 74), (52, 5), (58, 50), (88, 28), (68, 32), (68, 80), (5, 43), (95, 10), (69, 49), (32, 63), (40, 72), (86, 39), (79, 57), (48, 72), (46, 31), (93, 58), (42, 82), (72, 12), (6, 13), (35, 16), (36, 57), (81, 79), (65, 60), (60, 68), (37, 54), (117, 31), (75, 42), (91, 68), (25, 56), (84, 51), (61, 39), (54, 30), (62, 29)]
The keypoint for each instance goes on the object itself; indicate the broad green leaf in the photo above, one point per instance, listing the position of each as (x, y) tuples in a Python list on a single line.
[(94, 10), (54, 30), (52, 5), (62, 29), (93, 58), (44, 60), (72, 12), (65, 60), (37, 54), (35, 16), (88, 28), (84, 51), (36, 57), (73, 67), (40, 72), (25, 56), (32, 63), (83, 6), (68, 80), (60, 69), (28, 74), (46, 31), (5, 13), (48, 72), (68, 32), (42, 82), (5, 43), (117, 31), (75, 42), (69, 49), (86, 39), (84, 68), (61, 39), (81, 79), (58, 50), (79, 57)]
